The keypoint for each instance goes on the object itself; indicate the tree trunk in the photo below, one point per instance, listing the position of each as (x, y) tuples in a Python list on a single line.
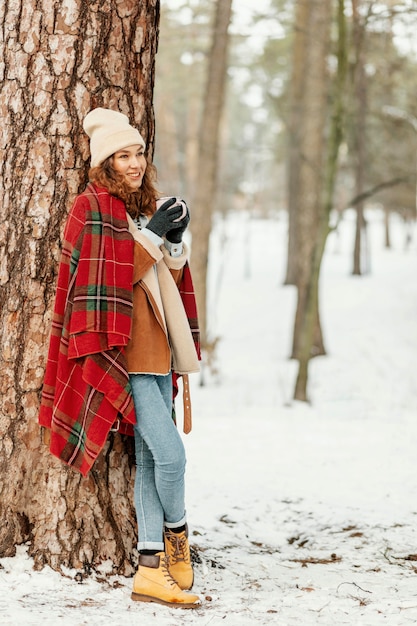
[(205, 193), (297, 107), (320, 204), (166, 145), (311, 160), (299, 220), (359, 138), (59, 62), (387, 213)]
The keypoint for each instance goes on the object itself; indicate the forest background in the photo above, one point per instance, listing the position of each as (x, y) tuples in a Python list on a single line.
[(319, 116)]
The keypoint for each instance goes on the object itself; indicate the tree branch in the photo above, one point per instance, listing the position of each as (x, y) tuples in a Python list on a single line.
[(374, 190)]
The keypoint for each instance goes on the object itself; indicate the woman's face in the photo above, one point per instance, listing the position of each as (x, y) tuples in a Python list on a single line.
[(131, 163)]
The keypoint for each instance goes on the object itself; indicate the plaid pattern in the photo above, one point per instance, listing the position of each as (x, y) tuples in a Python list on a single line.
[(186, 289), (86, 386)]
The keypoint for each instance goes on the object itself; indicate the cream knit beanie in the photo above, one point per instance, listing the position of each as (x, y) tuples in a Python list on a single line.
[(109, 131)]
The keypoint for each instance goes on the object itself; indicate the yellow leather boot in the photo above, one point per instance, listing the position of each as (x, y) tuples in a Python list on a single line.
[(178, 550), (154, 583)]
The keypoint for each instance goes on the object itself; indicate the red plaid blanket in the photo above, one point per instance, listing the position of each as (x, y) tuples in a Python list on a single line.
[(86, 386), (186, 289)]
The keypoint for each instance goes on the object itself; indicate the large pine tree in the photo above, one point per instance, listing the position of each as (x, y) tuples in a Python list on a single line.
[(59, 62)]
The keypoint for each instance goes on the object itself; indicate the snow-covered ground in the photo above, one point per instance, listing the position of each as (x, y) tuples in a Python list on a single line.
[(300, 514)]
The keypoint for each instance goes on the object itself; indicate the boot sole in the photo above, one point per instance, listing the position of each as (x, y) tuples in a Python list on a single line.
[(139, 597)]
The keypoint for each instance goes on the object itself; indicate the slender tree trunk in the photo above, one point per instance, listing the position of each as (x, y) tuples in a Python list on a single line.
[(297, 107), (205, 193), (59, 62), (308, 289), (192, 180), (311, 162), (387, 213), (167, 146), (298, 227), (360, 137)]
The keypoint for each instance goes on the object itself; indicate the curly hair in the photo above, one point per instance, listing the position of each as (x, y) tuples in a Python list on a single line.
[(139, 202)]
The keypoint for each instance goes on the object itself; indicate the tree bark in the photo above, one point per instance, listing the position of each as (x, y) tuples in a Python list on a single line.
[(319, 204), (360, 90), (311, 164), (60, 60), (296, 112), (387, 231), (205, 193)]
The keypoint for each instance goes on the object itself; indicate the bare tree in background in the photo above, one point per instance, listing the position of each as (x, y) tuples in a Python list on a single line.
[(295, 115), (205, 187), (359, 130), (318, 168), (60, 60)]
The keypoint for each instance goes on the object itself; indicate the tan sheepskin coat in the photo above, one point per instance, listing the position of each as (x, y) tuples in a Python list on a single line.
[(161, 339)]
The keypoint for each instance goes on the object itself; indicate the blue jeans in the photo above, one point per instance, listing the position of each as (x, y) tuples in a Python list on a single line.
[(160, 461)]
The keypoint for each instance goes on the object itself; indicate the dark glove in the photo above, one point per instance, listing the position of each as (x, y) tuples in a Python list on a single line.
[(164, 218), (175, 234)]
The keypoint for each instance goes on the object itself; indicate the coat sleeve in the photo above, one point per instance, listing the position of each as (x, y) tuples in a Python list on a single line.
[(176, 264), (146, 253), (144, 257)]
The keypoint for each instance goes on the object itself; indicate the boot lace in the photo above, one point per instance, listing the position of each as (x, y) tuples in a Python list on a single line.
[(179, 543), (165, 569)]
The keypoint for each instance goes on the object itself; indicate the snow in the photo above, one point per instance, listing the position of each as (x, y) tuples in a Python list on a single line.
[(301, 514)]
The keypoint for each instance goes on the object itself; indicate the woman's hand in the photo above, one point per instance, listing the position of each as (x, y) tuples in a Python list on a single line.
[(163, 220), (175, 234)]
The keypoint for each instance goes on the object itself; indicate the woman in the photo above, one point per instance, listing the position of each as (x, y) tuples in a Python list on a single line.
[(124, 328)]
